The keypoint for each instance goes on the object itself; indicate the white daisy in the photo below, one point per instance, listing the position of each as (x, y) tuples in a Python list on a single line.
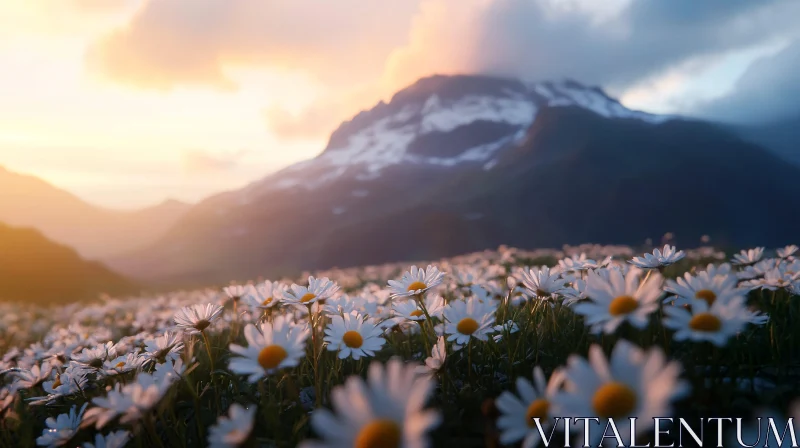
[(577, 263), (123, 364), (386, 411), (632, 383), (416, 281), (410, 309), (35, 376), (614, 298), (70, 382), (748, 257), (658, 258), (62, 429), (543, 283), (196, 318), (471, 318), (435, 362), (318, 289), (116, 439), (353, 335), (715, 324), (710, 288), (787, 251), (94, 358), (266, 295), (145, 394), (167, 346), (236, 292), (510, 326), (278, 345), (107, 408), (232, 430), (518, 413)]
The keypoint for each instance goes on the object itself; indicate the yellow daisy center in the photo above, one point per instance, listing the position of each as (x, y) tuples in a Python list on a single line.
[(537, 409), (120, 364), (614, 400), (706, 322), (267, 301), (383, 433), (467, 326), (202, 324), (416, 313), (308, 297), (353, 339), (622, 305), (271, 356), (706, 294), (416, 286), (541, 293), (57, 382)]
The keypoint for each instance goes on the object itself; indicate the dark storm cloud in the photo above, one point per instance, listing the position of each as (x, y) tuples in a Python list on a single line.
[(522, 38)]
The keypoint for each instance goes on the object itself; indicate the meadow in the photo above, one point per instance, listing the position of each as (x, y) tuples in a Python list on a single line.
[(465, 352)]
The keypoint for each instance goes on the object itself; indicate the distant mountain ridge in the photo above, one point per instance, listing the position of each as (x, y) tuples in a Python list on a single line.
[(454, 164), (93, 231), (34, 269)]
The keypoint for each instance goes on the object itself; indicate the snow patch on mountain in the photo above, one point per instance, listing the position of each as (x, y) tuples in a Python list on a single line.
[(444, 118)]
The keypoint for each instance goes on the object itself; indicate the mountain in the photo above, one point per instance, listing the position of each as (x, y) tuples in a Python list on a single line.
[(782, 137), (454, 164), (94, 232), (36, 270)]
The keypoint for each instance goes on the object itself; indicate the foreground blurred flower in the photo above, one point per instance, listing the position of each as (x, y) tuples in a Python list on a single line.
[(517, 414), (62, 429), (279, 345), (748, 257), (467, 319), (353, 335), (416, 281), (615, 298), (132, 401), (632, 383), (116, 439), (715, 324), (435, 362), (234, 429), (658, 258), (385, 412), (196, 318), (318, 289)]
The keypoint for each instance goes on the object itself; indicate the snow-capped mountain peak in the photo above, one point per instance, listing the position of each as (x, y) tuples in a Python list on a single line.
[(442, 121)]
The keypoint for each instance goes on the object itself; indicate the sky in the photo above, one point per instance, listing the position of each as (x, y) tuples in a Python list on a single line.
[(130, 102)]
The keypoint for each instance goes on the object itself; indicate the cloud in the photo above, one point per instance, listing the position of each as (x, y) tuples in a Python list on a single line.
[(615, 48), (172, 42), (360, 52), (768, 91), (204, 162)]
